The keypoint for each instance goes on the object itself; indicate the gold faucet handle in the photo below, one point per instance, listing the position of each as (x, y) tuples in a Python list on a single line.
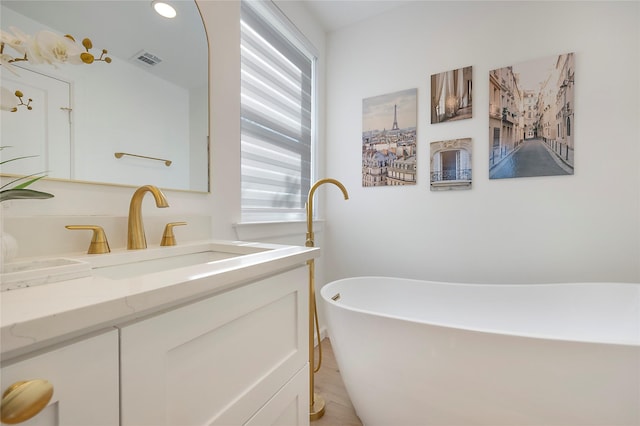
[(99, 243), (168, 239)]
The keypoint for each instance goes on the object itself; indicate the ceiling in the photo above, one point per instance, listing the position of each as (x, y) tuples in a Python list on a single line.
[(336, 14)]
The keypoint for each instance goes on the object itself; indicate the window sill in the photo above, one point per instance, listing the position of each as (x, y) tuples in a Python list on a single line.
[(251, 231)]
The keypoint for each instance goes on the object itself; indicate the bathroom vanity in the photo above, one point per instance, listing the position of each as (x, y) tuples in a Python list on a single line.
[(220, 341)]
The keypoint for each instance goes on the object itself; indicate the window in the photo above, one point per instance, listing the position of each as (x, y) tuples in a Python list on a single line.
[(276, 117)]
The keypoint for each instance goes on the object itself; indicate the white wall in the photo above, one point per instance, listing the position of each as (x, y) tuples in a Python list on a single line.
[(584, 227)]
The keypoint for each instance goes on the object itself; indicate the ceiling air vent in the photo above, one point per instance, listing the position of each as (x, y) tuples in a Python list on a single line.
[(146, 58)]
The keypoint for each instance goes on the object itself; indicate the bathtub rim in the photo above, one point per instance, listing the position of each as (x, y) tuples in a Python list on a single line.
[(327, 298)]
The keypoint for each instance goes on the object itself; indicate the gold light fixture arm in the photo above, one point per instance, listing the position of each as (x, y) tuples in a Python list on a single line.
[(121, 154), (316, 402)]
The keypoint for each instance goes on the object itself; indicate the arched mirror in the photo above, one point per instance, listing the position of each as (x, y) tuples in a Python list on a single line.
[(142, 118)]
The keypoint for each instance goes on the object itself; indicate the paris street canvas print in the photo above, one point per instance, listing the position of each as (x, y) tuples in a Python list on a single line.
[(531, 118), (389, 139)]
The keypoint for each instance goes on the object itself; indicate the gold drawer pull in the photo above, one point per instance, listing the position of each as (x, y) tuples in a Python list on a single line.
[(23, 400)]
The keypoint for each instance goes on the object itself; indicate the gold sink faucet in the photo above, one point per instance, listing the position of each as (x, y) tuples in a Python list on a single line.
[(135, 235)]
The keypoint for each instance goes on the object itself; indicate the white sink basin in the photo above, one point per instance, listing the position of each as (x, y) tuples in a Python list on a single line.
[(123, 263), (135, 269), (134, 263)]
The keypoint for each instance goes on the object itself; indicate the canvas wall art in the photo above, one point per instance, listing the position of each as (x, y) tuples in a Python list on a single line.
[(389, 139), (451, 164), (451, 95), (531, 118)]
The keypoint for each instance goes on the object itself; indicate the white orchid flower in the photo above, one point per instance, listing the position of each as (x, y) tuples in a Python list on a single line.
[(8, 100), (45, 47), (18, 41), (15, 39), (51, 48)]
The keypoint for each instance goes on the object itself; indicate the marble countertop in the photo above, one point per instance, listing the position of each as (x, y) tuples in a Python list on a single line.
[(35, 317)]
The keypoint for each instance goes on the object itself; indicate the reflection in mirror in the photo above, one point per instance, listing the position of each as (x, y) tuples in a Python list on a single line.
[(150, 102)]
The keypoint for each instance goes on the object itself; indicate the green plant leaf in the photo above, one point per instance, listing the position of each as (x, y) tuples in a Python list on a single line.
[(27, 183), (20, 194), (17, 158), (17, 187), (24, 184)]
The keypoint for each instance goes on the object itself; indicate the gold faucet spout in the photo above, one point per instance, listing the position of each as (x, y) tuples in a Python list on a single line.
[(309, 242), (135, 234)]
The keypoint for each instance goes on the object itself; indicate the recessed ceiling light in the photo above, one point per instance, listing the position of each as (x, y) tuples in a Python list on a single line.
[(164, 9)]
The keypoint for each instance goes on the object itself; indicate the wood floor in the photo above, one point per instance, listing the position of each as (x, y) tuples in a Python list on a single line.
[(328, 383)]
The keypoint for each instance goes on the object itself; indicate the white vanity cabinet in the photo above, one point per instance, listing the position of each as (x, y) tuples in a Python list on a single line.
[(221, 342), (239, 357), (84, 375)]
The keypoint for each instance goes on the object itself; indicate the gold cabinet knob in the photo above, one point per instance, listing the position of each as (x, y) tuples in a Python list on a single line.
[(168, 239), (99, 243), (23, 400)]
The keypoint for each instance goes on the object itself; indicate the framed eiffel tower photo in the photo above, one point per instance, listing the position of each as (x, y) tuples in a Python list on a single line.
[(389, 139)]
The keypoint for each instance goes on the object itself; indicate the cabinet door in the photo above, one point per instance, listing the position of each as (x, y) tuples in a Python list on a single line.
[(84, 376), (289, 407), (218, 360)]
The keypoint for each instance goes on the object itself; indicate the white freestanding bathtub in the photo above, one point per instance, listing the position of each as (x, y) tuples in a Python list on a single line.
[(429, 353)]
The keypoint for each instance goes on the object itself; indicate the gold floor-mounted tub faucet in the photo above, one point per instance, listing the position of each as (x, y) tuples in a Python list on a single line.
[(309, 205), (316, 402), (135, 234)]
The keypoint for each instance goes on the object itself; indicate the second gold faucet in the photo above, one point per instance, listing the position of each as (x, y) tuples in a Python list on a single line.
[(135, 233)]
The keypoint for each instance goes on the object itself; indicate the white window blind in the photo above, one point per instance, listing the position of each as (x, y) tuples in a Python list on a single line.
[(276, 119)]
